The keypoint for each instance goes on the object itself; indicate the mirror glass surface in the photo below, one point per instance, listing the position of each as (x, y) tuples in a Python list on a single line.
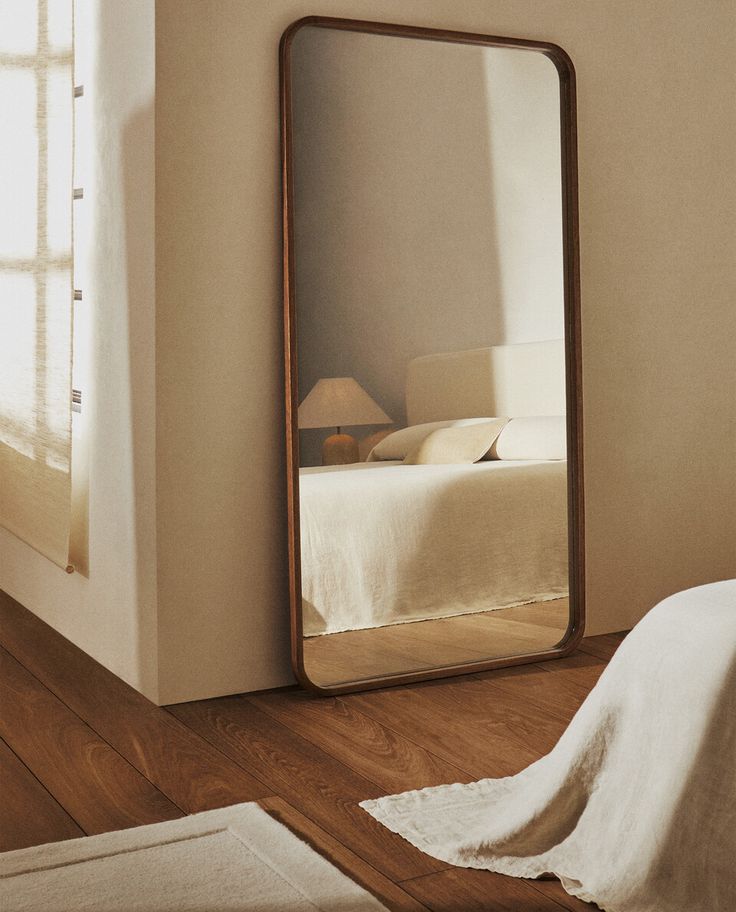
[(427, 221)]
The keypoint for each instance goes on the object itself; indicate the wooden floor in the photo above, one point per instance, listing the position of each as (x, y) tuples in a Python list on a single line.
[(378, 651), (83, 753)]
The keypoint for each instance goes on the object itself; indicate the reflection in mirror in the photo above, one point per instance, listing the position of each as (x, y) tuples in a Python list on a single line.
[(427, 218)]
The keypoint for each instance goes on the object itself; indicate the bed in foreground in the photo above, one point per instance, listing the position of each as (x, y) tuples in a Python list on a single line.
[(635, 808)]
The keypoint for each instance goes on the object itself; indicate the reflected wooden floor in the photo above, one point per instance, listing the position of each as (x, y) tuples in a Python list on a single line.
[(420, 645)]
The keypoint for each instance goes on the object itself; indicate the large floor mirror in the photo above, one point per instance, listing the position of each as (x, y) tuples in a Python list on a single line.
[(433, 401)]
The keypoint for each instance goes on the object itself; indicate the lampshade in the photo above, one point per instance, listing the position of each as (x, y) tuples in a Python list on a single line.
[(339, 402)]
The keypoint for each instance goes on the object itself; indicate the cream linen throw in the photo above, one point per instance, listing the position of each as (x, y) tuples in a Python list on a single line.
[(635, 808), (387, 543)]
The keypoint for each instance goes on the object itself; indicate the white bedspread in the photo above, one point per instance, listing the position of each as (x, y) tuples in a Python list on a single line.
[(385, 543), (635, 808)]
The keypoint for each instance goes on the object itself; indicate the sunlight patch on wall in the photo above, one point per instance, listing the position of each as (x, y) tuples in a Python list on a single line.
[(36, 148)]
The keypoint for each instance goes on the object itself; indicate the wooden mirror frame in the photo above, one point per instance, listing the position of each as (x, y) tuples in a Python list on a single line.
[(573, 370)]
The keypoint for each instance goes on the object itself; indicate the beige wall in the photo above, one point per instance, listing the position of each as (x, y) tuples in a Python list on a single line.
[(656, 134), (427, 200), (657, 222), (223, 606), (112, 615)]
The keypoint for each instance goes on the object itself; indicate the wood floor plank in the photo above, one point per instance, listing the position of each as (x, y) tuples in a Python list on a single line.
[(461, 722), (313, 782), (201, 778), (30, 815), (90, 780), (553, 889), (581, 670), (386, 757), (547, 685), (602, 646), (391, 895), (478, 891)]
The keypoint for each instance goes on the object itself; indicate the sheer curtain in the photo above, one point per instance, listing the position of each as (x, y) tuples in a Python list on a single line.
[(36, 293)]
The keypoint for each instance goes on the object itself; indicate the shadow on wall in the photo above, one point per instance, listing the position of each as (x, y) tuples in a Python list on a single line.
[(394, 209), (122, 310), (138, 141)]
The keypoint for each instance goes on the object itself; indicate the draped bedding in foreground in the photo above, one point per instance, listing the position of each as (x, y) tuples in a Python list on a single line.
[(385, 542), (635, 808)]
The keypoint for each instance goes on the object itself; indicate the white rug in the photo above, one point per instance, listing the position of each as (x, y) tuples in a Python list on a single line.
[(635, 808), (237, 859)]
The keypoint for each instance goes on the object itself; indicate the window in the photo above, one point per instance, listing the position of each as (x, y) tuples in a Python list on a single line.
[(36, 271)]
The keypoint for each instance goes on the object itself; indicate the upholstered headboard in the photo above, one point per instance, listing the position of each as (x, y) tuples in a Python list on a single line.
[(505, 380)]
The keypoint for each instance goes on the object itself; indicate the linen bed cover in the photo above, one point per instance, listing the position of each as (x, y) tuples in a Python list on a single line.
[(635, 808), (386, 543)]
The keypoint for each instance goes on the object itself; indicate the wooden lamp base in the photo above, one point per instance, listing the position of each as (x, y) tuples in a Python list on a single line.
[(340, 449)]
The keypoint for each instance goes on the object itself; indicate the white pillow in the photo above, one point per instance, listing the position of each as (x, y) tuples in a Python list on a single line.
[(399, 444), (543, 437), (463, 444)]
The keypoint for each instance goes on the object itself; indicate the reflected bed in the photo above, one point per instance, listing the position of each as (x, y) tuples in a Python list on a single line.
[(387, 543)]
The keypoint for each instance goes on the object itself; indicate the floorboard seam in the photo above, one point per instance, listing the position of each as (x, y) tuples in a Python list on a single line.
[(473, 775), (228, 758), (54, 691), (358, 772), (305, 812), (94, 732), (410, 739), (337, 864), (43, 786)]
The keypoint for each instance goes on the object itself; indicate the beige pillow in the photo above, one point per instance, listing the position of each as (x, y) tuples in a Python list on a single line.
[(543, 437), (400, 443), (455, 445)]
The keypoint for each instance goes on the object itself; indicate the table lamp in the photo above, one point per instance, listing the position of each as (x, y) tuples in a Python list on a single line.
[(339, 402)]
